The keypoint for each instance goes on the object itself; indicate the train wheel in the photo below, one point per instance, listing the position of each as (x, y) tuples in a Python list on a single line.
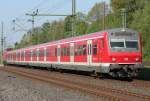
[(94, 74)]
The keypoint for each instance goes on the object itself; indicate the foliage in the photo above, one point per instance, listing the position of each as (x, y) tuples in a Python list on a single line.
[(138, 14), (141, 23)]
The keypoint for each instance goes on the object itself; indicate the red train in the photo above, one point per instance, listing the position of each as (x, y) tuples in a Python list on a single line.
[(116, 52)]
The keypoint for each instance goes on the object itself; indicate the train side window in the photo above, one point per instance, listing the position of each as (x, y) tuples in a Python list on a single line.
[(22, 55), (55, 52), (41, 53), (34, 53), (80, 50), (95, 49), (31, 53), (72, 51), (47, 52), (9, 56), (62, 51), (84, 49), (75, 50), (102, 43), (17, 54), (68, 51), (65, 49), (26, 54)]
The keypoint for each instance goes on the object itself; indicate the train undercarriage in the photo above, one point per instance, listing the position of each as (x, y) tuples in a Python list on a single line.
[(125, 70)]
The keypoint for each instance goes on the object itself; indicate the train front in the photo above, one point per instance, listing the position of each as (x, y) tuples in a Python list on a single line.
[(125, 53)]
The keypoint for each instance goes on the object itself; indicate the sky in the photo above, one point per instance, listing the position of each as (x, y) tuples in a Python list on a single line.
[(16, 9)]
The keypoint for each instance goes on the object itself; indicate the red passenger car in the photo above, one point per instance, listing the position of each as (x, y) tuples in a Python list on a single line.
[(116, 52)]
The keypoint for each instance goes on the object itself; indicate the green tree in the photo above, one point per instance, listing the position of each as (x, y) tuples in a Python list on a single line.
[(141, 23)]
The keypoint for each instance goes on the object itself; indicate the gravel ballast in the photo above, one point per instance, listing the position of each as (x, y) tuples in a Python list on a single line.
[(17, 88)]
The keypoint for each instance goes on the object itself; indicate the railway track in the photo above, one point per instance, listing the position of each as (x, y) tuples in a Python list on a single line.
[(98, 90)]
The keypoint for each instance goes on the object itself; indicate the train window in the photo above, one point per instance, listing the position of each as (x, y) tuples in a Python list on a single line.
[(22, 54), (9, 57), (27, 54), (41, 53), (52, 52), (65, 51), (102, 43), (31, 53), (80, 50), (117, 43), (18, 55), (68, 51), (75, 50), (48, 52), (84, 49), (61, 51), (95, 49), (132, 44), (55, 52), (34, 53)]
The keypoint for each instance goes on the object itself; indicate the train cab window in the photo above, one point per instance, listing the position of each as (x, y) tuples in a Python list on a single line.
[(95, 49), (131, 44)]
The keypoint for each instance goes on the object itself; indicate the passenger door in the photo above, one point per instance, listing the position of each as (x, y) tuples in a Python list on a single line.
[(58, 53), (89, 55), (72, 53)]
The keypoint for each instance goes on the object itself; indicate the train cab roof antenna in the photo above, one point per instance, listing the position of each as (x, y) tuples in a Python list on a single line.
[(123, 11)]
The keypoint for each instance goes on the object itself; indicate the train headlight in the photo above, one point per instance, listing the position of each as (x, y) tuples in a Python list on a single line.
[(113, 59), (126, 59), (136, 59)]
